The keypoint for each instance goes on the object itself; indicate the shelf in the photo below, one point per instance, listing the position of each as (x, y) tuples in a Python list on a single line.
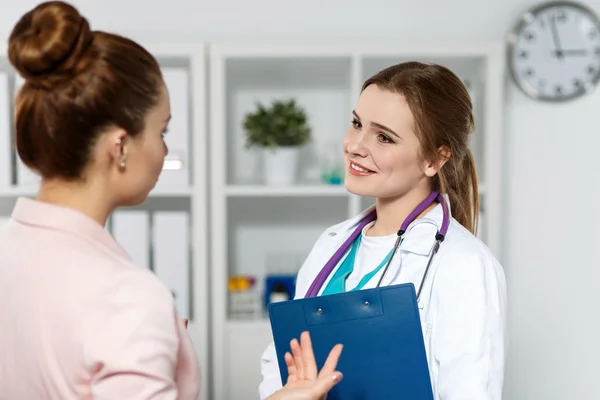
[(31, 191), (16, 191), (172, 192), (285, 191)]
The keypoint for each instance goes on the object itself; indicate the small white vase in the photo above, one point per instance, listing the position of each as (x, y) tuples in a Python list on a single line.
[(281, 165)]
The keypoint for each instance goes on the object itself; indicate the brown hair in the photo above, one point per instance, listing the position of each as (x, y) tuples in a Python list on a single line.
[(443, 114), (78, 82)]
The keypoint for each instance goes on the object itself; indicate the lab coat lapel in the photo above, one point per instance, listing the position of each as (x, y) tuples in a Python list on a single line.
[(418, 242), (329, 243)]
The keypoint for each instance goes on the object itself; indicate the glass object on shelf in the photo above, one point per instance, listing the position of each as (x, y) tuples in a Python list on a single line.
[(244, 299), (332, 164)]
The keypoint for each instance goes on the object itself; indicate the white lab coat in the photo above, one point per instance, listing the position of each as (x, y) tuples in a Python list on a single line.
[(462, 305)]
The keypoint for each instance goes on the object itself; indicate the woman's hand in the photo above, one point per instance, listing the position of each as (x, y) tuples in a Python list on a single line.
[(304, 381)]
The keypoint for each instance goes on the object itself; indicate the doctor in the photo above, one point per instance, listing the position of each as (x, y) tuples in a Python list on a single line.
[(408, 139)]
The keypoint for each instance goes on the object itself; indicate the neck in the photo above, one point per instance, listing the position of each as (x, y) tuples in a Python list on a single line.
[(88, 198), (392, 212)]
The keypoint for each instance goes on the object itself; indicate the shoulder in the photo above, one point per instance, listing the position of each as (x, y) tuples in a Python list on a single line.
[(135, 287), (465, 258)]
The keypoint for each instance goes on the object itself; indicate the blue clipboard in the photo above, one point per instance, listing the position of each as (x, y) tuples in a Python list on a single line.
[(384, 353)]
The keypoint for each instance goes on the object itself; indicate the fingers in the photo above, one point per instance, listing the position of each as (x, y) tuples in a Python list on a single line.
[(332, 361), (308, 357), (325, 383), (291, 367), (297, 353)]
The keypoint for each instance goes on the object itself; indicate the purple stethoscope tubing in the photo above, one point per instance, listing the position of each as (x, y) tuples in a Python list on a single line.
[(319, 281)]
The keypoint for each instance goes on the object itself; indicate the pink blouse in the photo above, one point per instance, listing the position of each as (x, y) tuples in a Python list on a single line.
[(78, 320)]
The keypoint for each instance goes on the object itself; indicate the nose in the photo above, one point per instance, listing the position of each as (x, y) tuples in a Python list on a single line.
[(355, 145)]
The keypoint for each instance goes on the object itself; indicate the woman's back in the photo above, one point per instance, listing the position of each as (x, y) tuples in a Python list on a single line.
[(77, 315)]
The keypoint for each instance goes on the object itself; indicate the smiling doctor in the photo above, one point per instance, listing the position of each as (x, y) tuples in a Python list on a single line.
[(407, 146)]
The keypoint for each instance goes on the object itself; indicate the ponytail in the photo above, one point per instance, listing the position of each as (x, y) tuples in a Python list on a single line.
[(459, 181)]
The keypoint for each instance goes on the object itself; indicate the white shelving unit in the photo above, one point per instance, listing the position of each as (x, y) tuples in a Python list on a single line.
[(251, 223), (190, 197)]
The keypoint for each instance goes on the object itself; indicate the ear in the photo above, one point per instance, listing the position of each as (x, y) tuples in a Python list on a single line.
[(432, 168), (118, 145)]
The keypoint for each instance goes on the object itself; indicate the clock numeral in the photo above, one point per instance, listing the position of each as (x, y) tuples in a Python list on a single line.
[(558, 90), (529, 72), (577, 83), (529, 36), (591, 69), (542, 23), (561, 16), (523, 54)]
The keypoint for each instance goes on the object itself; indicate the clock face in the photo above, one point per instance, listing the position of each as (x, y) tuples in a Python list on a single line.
[(554, 52)]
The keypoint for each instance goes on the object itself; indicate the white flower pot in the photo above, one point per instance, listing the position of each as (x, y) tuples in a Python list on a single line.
[(280, 165)]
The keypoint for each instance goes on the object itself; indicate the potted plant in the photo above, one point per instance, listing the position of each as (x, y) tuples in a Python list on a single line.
[(279, 131)]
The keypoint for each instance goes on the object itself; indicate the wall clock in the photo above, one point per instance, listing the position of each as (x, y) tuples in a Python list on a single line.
[(554, 51)]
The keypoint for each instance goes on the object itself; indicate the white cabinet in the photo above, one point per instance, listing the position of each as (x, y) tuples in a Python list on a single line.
[(256, 227)]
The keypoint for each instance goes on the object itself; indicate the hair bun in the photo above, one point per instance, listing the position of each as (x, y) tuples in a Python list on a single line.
[(49, 40)]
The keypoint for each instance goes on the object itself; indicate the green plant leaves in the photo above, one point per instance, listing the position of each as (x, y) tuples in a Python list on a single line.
[(284, 123)]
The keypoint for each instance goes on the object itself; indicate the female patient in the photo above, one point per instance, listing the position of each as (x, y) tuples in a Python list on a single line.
[(78, 319)]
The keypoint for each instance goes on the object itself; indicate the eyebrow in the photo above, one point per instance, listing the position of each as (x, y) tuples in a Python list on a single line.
[(380, 126)]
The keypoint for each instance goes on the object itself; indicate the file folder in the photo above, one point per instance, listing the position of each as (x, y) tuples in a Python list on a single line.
[(384, 352), (131, 229), (171, 255)]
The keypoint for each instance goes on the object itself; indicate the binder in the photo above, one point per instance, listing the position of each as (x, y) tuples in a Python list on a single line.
[(25, 177), (171, 255), (175, 173), (131, 229), (384, 353), (5, 133)]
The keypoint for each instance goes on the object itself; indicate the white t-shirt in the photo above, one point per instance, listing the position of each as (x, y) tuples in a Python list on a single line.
[(371, 252)]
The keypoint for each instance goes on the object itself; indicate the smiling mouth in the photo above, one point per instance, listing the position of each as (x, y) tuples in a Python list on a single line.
[(359, 169)]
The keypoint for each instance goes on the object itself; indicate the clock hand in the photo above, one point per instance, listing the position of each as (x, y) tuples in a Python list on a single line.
[(575, 52), (555, 38)]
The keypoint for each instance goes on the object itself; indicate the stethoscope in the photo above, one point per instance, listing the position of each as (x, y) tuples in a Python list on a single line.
[(321, 278)]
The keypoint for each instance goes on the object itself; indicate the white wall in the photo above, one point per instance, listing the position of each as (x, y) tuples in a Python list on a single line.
[(552, 177)]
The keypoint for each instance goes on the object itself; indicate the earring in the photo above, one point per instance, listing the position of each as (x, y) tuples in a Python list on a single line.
[(122, 164), (118, 141)]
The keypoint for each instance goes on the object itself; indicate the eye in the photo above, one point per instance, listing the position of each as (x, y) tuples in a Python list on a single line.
[(384, 138), (356, 123)]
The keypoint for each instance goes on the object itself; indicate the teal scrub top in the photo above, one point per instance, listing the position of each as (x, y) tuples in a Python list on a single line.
[(337, 284)]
